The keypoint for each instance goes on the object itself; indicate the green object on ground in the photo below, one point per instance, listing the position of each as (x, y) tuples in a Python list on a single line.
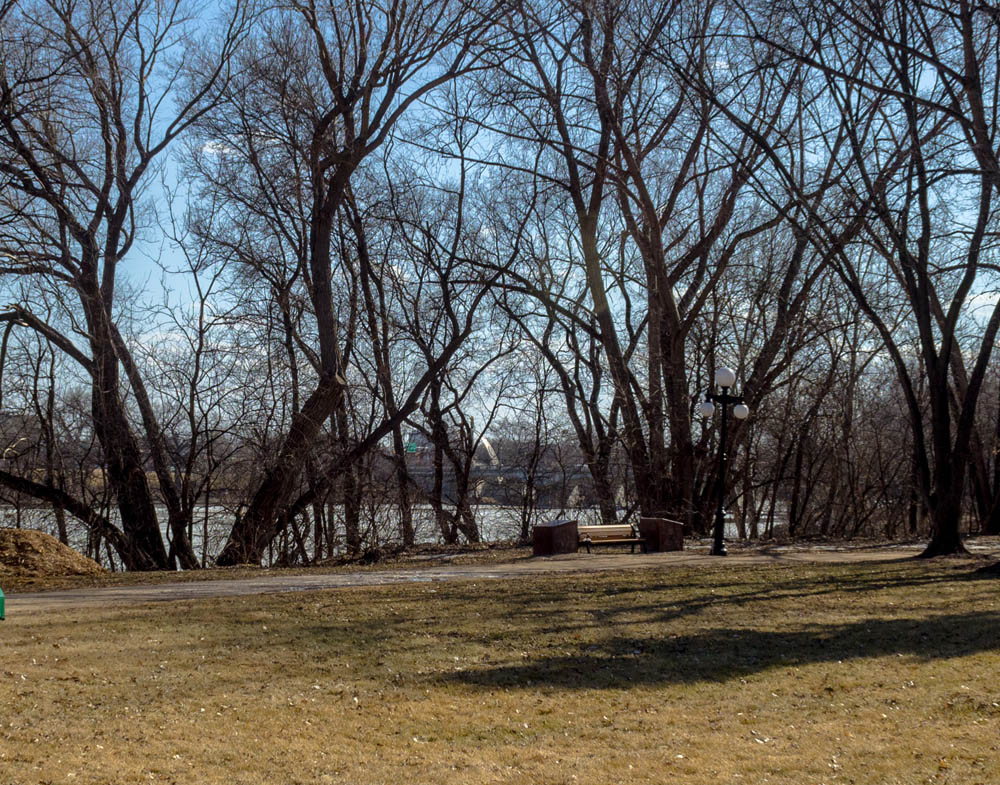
[(1, 605)]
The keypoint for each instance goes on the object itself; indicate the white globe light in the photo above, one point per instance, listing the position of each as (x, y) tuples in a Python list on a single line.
[(706, 408), (741, 411), (724, 377)]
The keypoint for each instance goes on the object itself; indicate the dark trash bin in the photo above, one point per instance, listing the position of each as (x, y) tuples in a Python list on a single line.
[(552, 537), (662, 534)]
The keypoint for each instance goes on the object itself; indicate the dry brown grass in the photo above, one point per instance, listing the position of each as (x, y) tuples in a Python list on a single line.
[(863, 673)]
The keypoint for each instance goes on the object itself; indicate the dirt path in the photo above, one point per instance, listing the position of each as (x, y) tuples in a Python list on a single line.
[(30, 603)]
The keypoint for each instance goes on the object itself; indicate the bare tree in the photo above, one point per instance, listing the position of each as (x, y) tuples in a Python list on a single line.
[(332, 81), (603, 103), (86, 109), (925, 167)]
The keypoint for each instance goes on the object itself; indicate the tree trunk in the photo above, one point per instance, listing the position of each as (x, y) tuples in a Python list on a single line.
[(950, 466), (680, 502), (465, 520), (351, 498), (261, 522), (632, 433), (145, 549), (945, 537), (125, 471), (794, 506), (602, 488), (406, 532)]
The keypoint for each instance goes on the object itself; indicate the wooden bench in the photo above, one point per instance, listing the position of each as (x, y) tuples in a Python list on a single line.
[(616, 534)]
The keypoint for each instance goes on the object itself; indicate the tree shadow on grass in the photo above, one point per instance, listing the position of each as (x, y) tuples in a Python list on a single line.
[(856, 581), (701, 591), (987, 571), (723, 654)]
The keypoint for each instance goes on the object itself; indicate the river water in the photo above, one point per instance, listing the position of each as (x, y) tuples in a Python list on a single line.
[(380, 525)]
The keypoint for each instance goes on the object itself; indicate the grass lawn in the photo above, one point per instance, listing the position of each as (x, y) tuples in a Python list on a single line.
[(863, 673)]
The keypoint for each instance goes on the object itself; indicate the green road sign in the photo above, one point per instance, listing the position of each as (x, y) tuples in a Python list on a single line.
[(411, 447)]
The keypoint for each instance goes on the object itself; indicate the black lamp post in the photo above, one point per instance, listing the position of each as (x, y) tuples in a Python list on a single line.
[(725, 379)]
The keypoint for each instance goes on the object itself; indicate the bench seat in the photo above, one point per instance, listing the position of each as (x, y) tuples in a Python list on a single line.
[(616, 534)]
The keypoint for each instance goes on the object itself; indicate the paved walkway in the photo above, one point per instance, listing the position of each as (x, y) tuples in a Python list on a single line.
[(579, 563)]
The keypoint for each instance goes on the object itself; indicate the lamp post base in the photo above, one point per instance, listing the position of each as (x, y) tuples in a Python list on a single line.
[(719, 529)]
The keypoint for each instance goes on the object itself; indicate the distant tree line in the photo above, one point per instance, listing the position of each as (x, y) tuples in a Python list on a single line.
[(248, 260)]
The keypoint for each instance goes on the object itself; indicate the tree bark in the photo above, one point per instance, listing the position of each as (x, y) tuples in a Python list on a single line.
[(262, 521), (125, 472)]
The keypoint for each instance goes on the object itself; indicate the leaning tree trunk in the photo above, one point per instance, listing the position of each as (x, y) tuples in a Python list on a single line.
[(125, 471), (144, 543), (252, 532)]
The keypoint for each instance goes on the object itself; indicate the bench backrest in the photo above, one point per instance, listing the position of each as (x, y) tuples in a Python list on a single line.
[(613, 532)]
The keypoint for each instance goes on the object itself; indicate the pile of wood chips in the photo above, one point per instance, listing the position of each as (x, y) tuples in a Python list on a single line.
[(25, 553)]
